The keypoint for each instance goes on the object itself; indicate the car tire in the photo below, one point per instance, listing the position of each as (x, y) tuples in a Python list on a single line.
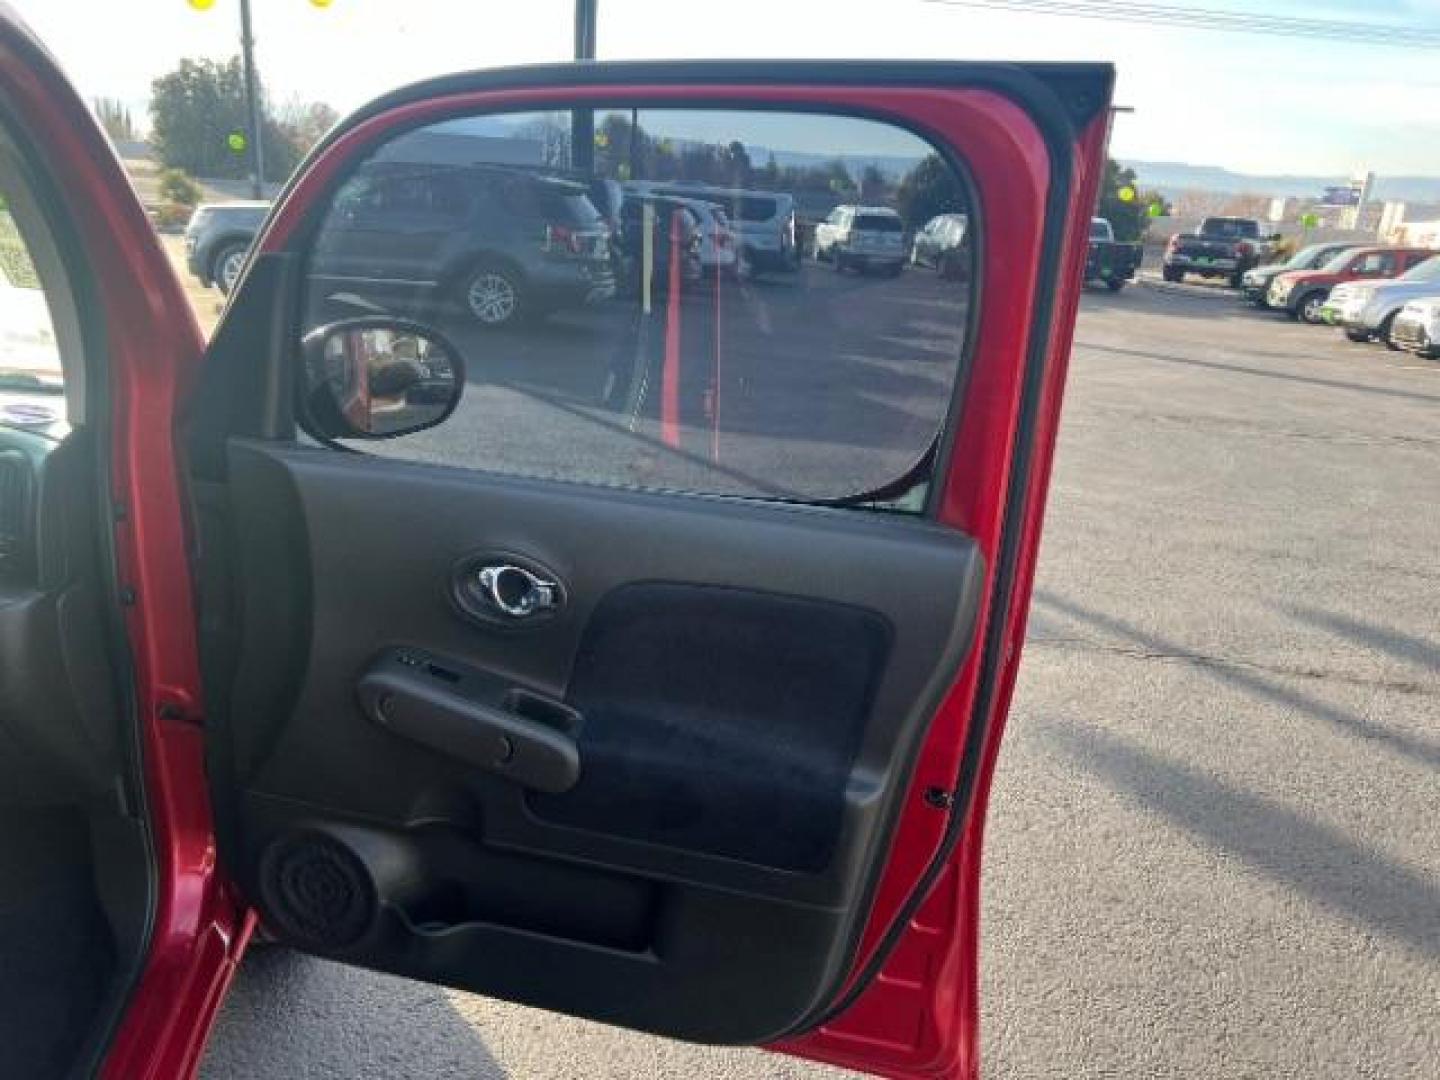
[(1170, 274), (1383, 333), (1357, 336), (841, 264), (493, 294), (1237, 280), (1307, 308), (225, 267), (1114, 284)]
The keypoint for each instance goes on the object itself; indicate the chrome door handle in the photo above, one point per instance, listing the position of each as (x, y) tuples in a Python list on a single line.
[(516, 591)]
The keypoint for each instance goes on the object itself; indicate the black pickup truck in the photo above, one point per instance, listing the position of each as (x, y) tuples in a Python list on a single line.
[(1224, 247), (1108, 260)]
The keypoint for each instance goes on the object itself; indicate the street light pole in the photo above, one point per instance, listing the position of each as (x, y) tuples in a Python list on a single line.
[(252, 101)]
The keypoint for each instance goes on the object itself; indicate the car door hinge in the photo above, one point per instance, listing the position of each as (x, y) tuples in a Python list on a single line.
[(939, 798)]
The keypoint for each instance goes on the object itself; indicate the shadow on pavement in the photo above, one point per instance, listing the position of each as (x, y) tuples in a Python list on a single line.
[(1404, 647), (290, 1015), (1240, 369), (1251, 681), (1314, 859)]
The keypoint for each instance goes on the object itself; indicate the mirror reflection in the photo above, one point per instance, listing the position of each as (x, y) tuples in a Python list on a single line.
[(379, 380), (721, 301)]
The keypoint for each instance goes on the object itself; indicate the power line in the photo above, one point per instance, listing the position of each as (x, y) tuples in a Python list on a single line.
[(1213, 19)]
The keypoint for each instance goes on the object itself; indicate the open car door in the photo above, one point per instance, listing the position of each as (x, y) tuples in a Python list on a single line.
[(588, 566)]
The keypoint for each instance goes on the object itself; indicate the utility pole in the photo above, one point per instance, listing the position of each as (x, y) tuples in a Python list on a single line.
[(585, 17), (582, 121), (252, 102)]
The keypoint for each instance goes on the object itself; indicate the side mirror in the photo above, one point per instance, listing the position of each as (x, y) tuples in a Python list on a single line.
[(377, 377)]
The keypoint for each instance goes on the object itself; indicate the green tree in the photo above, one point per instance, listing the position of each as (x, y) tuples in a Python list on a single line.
[(1128, 217), (930, 188), (735, 165), (176, 187), (874, 185), (769, 177), (115, 119), (193, 110)]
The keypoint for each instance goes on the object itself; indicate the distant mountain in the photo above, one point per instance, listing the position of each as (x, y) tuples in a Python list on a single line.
[(1169, 177), (891, 165)]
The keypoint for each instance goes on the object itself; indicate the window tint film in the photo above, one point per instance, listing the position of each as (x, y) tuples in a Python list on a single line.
[(726, 329)]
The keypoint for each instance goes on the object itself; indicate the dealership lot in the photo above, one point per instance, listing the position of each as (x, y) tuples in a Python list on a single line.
[(1212, 849)]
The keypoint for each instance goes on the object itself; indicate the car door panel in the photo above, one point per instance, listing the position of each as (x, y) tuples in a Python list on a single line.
[(782, 717), (787, 714), (345, 558), (735, 667)]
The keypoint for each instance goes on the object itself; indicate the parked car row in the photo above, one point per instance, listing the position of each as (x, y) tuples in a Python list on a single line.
[(514, 241), (1372, 292)]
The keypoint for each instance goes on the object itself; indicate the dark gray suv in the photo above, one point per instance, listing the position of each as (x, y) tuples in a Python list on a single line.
[(501, 243), (218, 238)]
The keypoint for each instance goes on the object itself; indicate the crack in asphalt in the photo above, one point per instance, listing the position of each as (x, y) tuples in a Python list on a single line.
[(1402, 686)]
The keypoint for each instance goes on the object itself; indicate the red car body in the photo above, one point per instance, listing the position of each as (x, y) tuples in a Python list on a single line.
[(1293, 290), (908, 1006)]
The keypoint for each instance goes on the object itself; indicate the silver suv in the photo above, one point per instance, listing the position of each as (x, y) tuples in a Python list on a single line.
[(861, 237), (218, 238)]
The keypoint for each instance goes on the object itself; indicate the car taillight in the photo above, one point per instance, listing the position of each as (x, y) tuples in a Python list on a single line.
[(561, 238), (1243, 248)]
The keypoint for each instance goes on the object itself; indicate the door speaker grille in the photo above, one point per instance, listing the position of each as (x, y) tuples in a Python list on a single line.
[(317, 890)]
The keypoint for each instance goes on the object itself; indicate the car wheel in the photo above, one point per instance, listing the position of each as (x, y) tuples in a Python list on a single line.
[(1114, 284), (493, 296), (1310, 305), (1172, 275), (1383, 334), (841, 265), (1357, 336), (1237, 280), (226, 266)]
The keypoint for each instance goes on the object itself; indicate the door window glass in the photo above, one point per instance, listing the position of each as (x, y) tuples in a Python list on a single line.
[(32, 380), (690, 341)]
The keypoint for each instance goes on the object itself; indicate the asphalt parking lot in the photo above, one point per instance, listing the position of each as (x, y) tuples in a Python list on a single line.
[(1212, 848), (753, 367)]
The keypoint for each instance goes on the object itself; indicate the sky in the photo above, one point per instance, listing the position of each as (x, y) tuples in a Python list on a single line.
[(1251, 103)]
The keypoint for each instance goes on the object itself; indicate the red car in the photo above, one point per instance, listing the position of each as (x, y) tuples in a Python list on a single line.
[(1302, 293), (697, 747)]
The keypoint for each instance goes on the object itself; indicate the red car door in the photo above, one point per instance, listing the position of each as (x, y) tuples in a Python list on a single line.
[(645, 659)]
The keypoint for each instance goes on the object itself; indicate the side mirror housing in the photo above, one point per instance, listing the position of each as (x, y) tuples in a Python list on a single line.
[(377, 377)]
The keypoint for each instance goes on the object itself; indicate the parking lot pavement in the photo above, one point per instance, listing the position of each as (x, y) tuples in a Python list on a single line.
[(1212, 848), (579, 395)]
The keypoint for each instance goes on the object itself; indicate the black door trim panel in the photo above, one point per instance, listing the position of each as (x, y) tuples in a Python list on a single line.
[(809, 647)]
